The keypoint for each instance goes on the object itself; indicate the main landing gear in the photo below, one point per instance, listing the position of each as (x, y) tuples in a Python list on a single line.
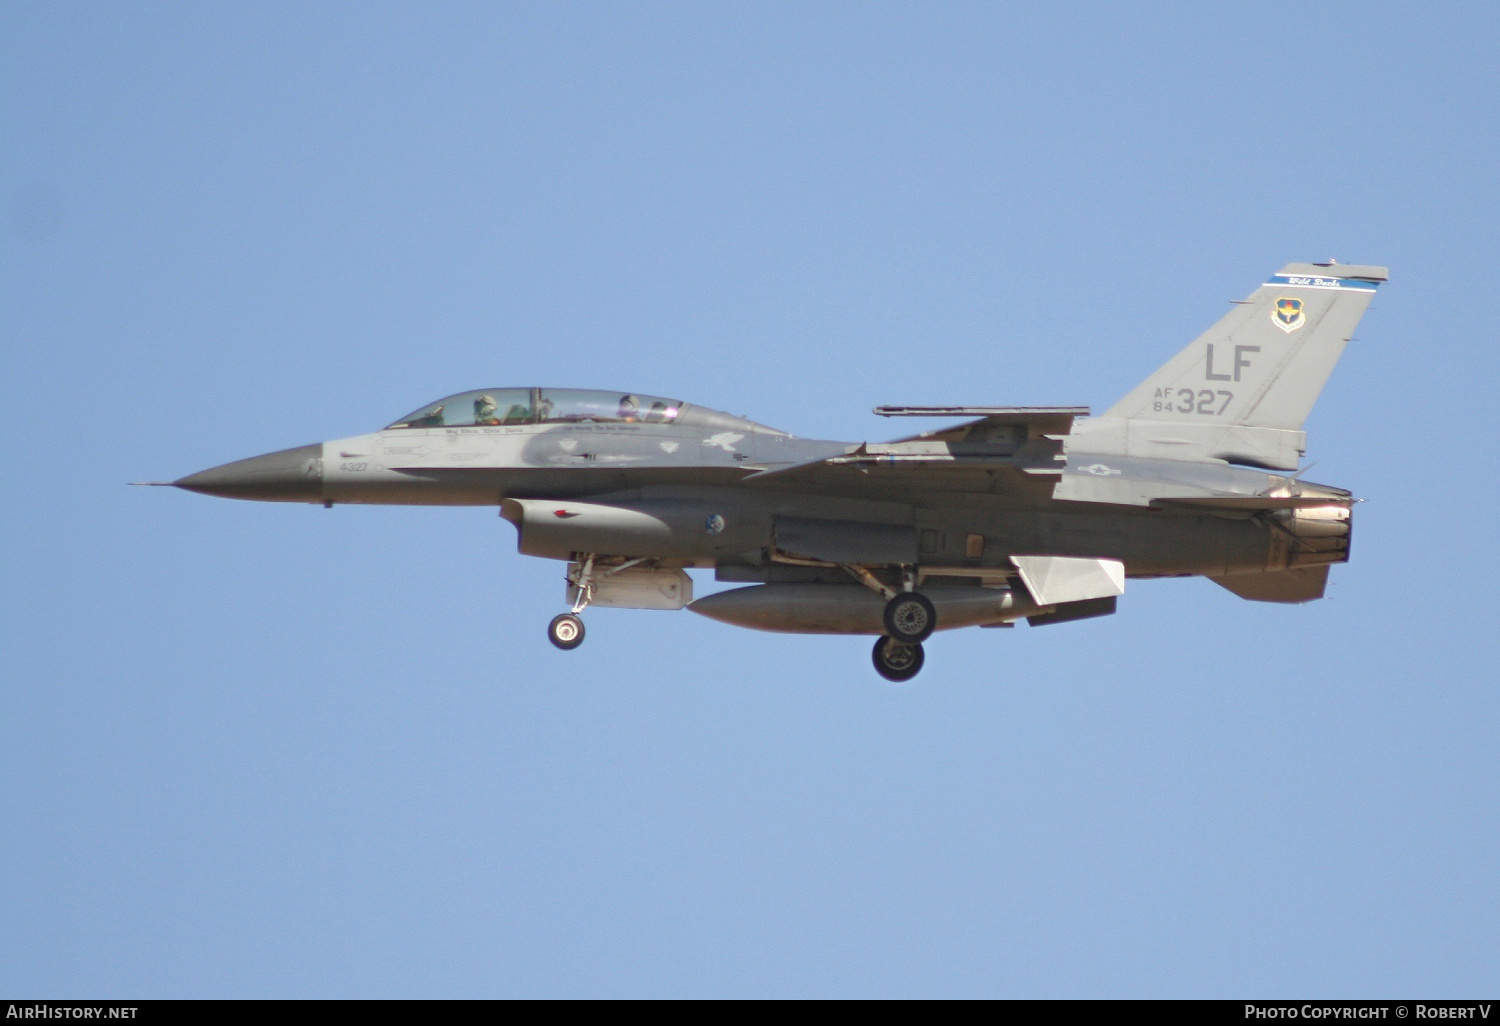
[(896, 660), (909, 619)]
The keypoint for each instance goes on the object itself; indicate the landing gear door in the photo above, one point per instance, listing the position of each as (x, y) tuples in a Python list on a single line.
[(636, 587)]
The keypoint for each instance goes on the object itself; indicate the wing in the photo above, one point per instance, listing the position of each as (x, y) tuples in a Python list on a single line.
[(1012, 450), (1046, 420)]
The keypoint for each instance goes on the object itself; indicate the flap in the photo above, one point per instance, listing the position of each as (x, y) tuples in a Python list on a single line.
[(1300, 585), (844, 541), (1053, 580)]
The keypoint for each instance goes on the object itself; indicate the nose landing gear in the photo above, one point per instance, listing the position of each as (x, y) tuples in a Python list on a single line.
[(565, 631), (897, 660)]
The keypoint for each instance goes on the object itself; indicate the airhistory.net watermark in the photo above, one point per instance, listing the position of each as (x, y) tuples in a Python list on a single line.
[(44, 1010)]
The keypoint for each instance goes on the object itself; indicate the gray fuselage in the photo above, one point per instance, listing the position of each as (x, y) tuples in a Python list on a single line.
[(711, 481)]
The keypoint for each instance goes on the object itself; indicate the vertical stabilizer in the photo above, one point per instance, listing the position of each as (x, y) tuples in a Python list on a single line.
[(1243, 389)]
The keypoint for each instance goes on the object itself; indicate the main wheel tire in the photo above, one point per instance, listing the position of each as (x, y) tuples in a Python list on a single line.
[(896, 660), (910, 618), (565, 631)]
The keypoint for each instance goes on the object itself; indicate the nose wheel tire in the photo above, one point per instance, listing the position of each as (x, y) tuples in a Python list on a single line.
[(896, 660), (910, 618), (565, 631)]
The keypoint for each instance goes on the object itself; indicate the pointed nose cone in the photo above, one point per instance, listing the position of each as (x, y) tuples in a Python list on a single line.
[(291, 475)]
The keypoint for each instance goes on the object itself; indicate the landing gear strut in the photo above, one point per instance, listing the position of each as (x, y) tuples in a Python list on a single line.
[(897, 660), (909, 615), (566, 629), (909, 619)]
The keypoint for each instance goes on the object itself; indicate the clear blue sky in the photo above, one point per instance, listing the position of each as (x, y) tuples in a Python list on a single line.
[(270, 750)]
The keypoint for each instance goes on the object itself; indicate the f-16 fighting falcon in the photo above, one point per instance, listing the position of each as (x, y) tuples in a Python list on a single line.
[(1039, 513)]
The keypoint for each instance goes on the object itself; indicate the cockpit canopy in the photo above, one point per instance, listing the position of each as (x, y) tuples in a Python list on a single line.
[(504, 406)]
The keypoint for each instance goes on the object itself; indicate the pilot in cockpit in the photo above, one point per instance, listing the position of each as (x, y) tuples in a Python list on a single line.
[(630, 409), (484, 411)]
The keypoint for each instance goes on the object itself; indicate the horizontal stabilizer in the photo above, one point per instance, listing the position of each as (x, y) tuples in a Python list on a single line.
[(1302, 584), (1054, 580)]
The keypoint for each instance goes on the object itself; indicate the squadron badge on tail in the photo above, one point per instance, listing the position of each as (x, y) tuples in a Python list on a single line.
[(1288, 315)]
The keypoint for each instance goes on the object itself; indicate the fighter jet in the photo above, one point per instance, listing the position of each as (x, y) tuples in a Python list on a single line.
[(1035, 513)]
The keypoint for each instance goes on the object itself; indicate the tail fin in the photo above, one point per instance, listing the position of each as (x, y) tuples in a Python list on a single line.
[(1243, 389)]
